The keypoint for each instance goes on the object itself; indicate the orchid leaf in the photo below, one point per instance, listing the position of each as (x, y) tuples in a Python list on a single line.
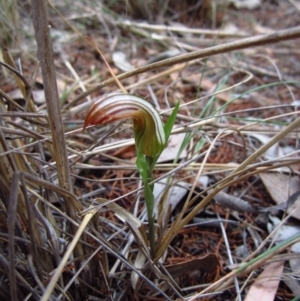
[(170, 122)]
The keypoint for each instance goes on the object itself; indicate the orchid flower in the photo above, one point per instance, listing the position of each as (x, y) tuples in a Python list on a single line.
[(147, 125)]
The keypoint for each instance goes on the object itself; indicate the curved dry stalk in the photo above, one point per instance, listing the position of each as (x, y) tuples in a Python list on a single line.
[(179, 224), (180, 29), (280, 35), (47, 294), (247, 267)]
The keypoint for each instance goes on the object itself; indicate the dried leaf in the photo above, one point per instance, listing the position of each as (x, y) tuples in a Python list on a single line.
[(139, 263), (273, 151), (280, 187), (120, 61), (266, 285), (207, 264), (249, 4), (38, 95), (175, 194), (172, 148), (284, 206), (133, 222), (292, 281), (284, 232)]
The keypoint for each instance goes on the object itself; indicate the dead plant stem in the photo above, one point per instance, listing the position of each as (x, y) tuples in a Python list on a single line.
[(281, 35), (45, 55), (60, 155), (179, 224), (247, 267)]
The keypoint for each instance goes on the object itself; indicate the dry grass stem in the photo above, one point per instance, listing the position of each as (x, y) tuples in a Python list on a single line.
[(74, 224)]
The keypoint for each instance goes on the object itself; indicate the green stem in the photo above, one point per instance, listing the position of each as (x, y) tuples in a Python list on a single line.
[(145, 166), (151, 235), (150, 161), (149, 198)]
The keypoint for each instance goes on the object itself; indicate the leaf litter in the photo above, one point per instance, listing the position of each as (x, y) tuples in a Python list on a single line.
[(249, 96)]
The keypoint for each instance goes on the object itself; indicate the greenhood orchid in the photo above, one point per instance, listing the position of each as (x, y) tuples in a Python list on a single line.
[(147, 125), (150, 138)]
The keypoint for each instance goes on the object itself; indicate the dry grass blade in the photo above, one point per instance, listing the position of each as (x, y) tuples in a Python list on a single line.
[(11, 232), (226, 281), (5, 265), (135, 224), (40, 21), (22, 84), (47, 294), (73, 217), (282, 35)]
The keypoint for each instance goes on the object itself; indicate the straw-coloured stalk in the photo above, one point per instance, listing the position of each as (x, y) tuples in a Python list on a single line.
[(147, 125)]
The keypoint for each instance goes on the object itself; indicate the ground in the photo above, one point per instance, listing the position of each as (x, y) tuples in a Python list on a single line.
[(213, 225)]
